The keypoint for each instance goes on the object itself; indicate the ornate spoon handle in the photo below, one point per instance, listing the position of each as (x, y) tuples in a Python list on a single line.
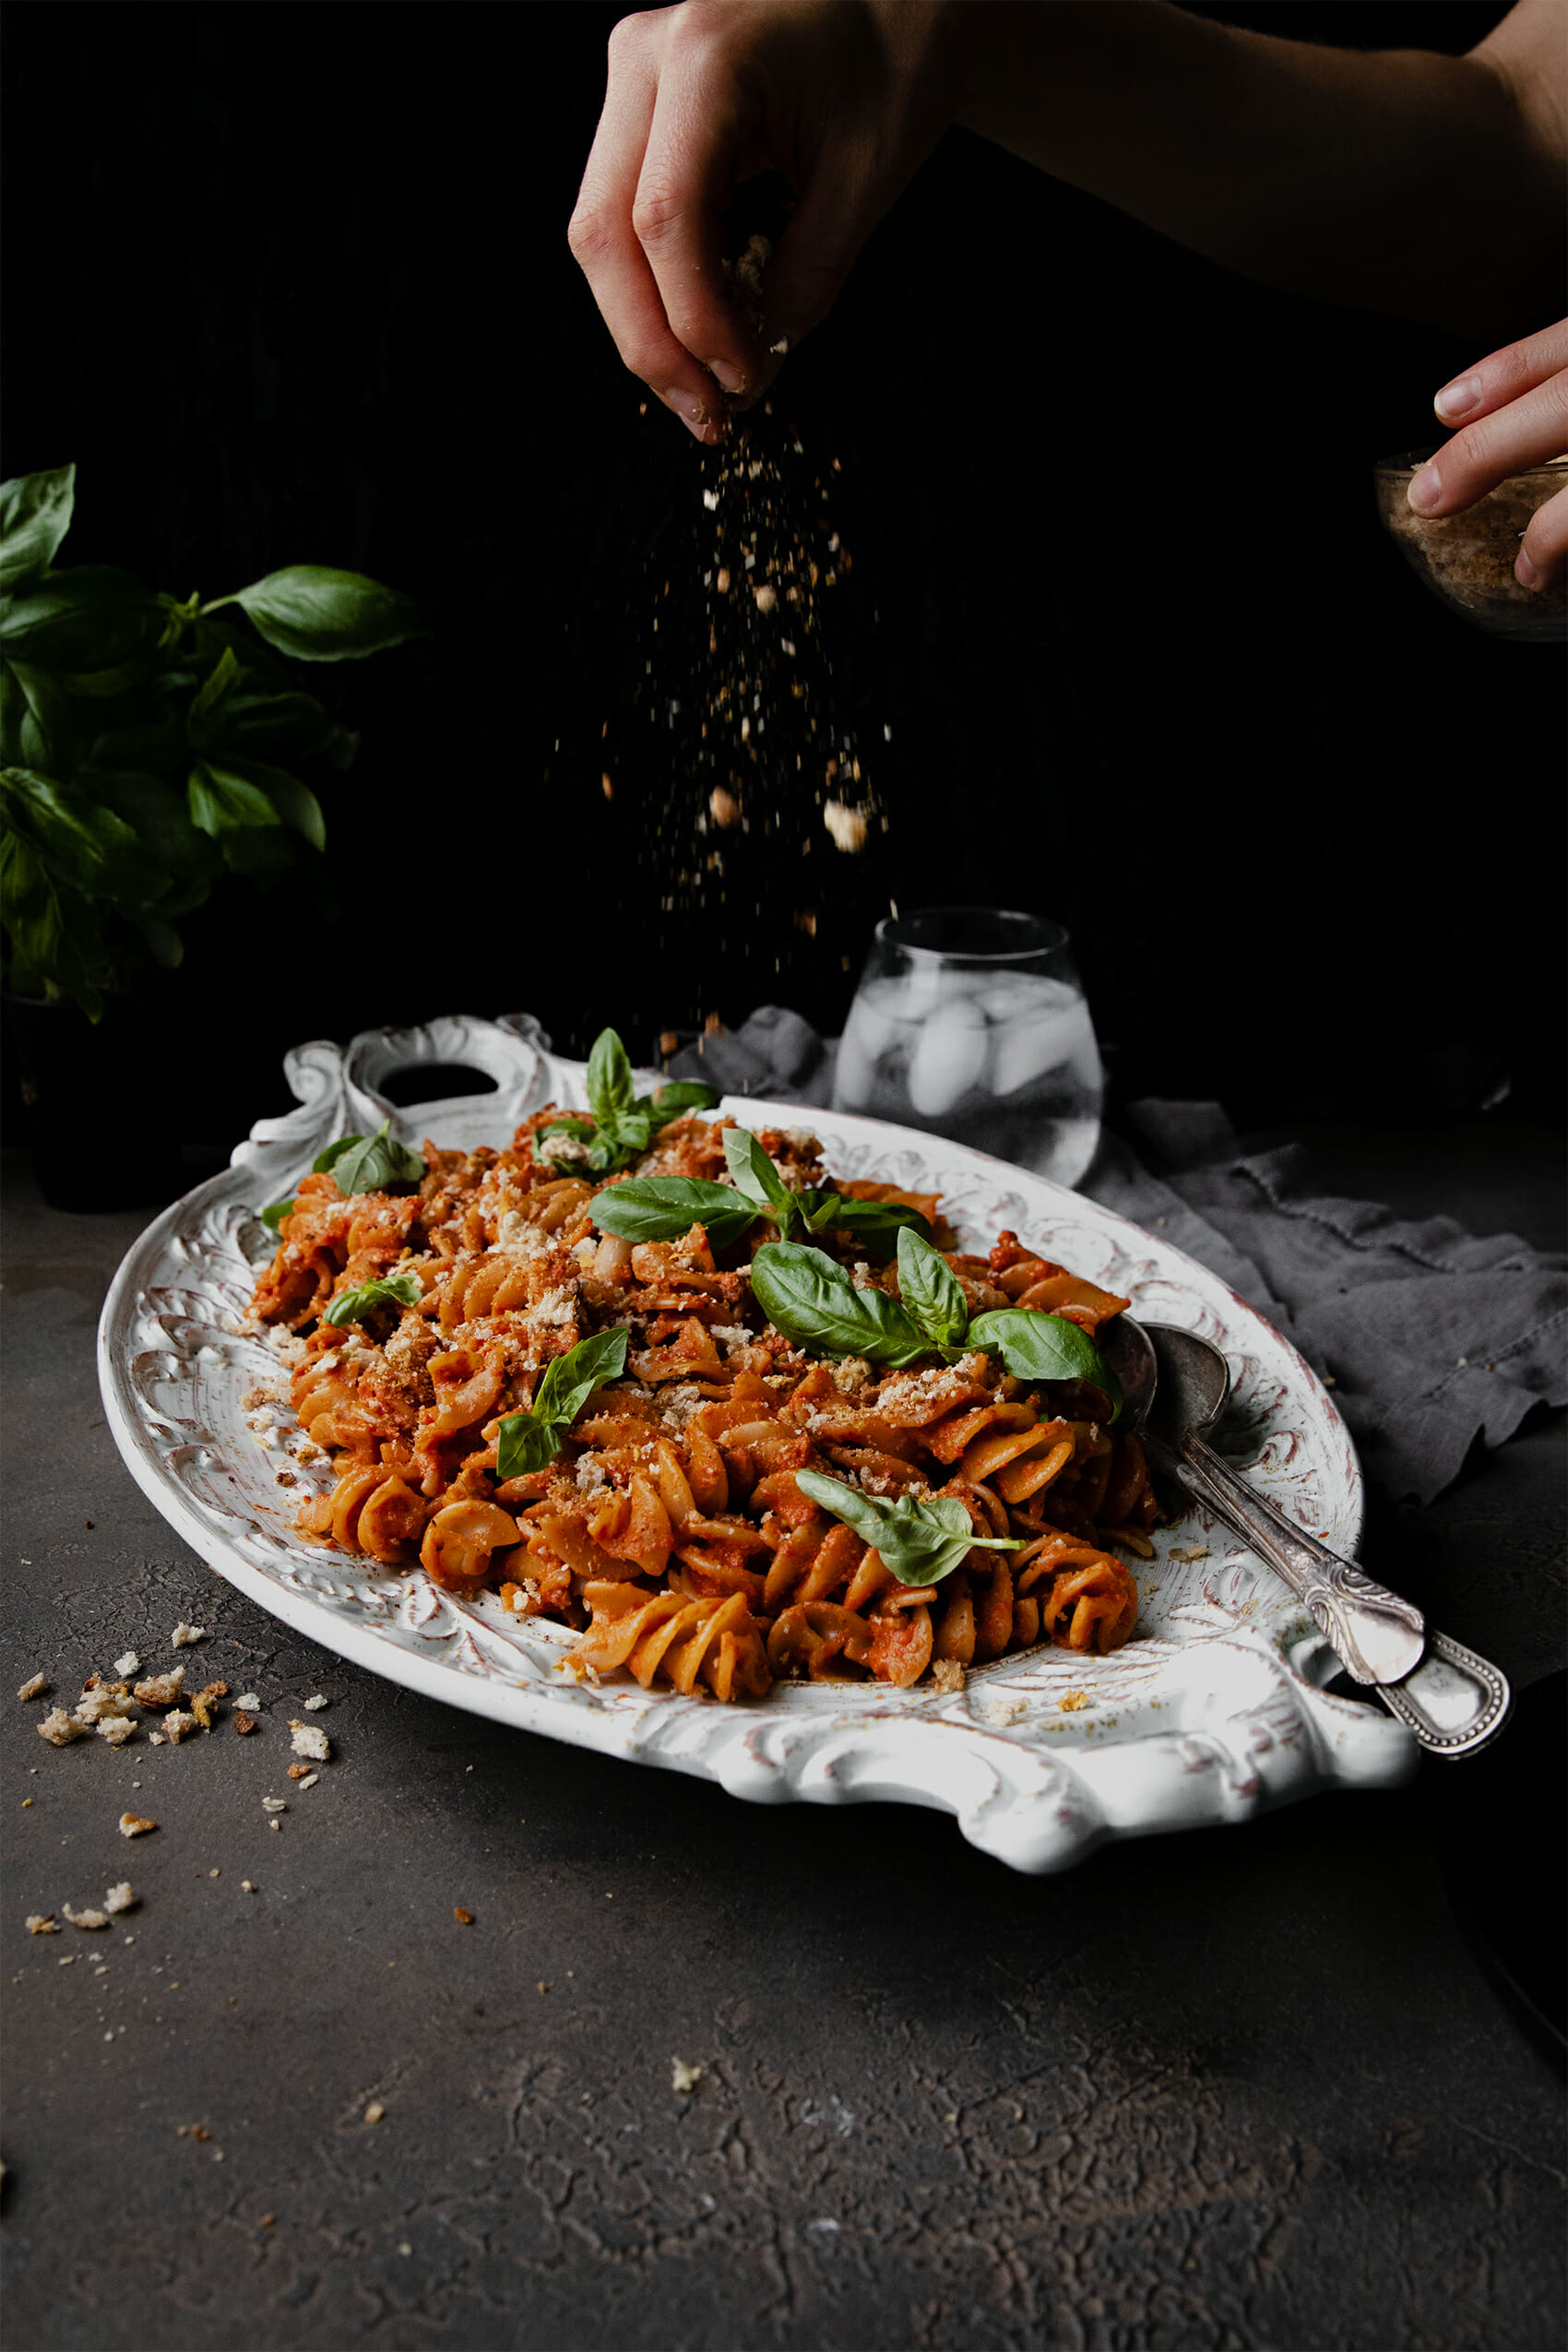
[(1379, 1638)]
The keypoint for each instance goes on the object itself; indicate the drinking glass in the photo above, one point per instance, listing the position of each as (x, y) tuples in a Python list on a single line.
[(971, 1022)]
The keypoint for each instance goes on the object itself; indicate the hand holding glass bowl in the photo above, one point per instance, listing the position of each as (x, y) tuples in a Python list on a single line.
[(1484, 518), (971, 1022)]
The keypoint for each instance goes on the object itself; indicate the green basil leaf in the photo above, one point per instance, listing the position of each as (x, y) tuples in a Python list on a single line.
[(85, 844), (757, 1176), (88, 618), (829, 1212), (325, 1161), (389, 1291), (610, 1083), (374, 1163), (664, 1208), (273, 726), (1041, 1347), (677, 1096), (319, 614), (570, 1379), (931, 1290), (275, 1215), (920, 1537), (35, 514), (813, 1304), (225, 677), (223, 801), (295, 804), (529, 1441), (36, 726), (55, 944)]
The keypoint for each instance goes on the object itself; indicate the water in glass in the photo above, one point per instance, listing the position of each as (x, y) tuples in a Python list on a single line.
[(994, 1048)]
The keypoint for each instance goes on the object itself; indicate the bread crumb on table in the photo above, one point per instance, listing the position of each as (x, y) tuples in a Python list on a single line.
[(183, 1634), (42, 1923), (464, 1918), (374, 2111), (60, 1729), (35, 1685), (120, 1898), (116, 1729), (683, 2077), (160, 1690), (128, 1664), (243, 1723), (1071, 1701), (248, 1699), (90, 1920), (309, 1739), (312, 1706), (178, 1722), (135, 1825), (947, 1675)]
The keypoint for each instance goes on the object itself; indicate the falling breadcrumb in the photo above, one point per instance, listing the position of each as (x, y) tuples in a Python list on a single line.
[(847, 826)]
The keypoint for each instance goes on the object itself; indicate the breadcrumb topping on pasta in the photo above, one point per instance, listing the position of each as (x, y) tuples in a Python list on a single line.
[(668, 1528)]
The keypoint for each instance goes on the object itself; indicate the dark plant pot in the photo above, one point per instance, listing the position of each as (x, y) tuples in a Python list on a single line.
[(103, 1130)]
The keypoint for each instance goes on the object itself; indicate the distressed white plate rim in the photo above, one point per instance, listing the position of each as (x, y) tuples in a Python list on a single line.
[(1214, 1713)]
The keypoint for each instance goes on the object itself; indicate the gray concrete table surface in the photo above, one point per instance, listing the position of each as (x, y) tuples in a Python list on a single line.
[(1238, 2088)]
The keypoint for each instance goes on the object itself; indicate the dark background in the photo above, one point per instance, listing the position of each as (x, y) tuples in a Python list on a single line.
[(291, 284)]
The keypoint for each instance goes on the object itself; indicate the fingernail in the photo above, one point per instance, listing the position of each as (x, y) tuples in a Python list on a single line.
[(1456, 399), (733, 379), (1525, 571), (1425, 490)]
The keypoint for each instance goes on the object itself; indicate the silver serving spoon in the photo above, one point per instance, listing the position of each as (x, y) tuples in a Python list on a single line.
[(1176, 1387)]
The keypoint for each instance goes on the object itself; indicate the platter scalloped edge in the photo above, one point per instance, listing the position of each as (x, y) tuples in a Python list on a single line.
[(1213, 1713)]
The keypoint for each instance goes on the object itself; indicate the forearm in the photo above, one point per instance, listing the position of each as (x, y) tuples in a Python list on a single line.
[(1390, 180)]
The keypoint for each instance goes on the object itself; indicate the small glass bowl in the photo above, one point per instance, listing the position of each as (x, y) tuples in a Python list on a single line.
[(1468, 560)]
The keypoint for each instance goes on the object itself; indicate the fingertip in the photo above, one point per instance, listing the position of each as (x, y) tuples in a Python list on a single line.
[(1456, 401), (1524, 570)]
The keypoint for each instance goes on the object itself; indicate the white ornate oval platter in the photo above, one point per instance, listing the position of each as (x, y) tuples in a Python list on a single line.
[(1213, 1713)]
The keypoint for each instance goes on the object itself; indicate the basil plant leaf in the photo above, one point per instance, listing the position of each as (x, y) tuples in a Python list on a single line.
[(1041, 1347), (530, 1440), (829, 1212), (931, 1290), (317, 613), (369, 1163), (920, 1537), (35, 514), (664, 1208), (389, 1290), (275, 1215), (757, 1176), (817, 1306)]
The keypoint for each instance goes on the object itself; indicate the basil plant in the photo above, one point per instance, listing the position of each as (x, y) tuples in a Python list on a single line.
[(148, 744)]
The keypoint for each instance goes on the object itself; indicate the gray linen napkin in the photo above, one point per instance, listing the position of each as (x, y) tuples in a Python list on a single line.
[(1432, 1336)]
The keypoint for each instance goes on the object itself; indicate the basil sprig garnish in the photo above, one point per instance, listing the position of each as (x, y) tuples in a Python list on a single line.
[(369, 1163), (624, 1123), (275, 1215), (664, 1208), (921, 1538), (814, 1303), (1040, 1347), (389, 1291), (531, 1440)]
